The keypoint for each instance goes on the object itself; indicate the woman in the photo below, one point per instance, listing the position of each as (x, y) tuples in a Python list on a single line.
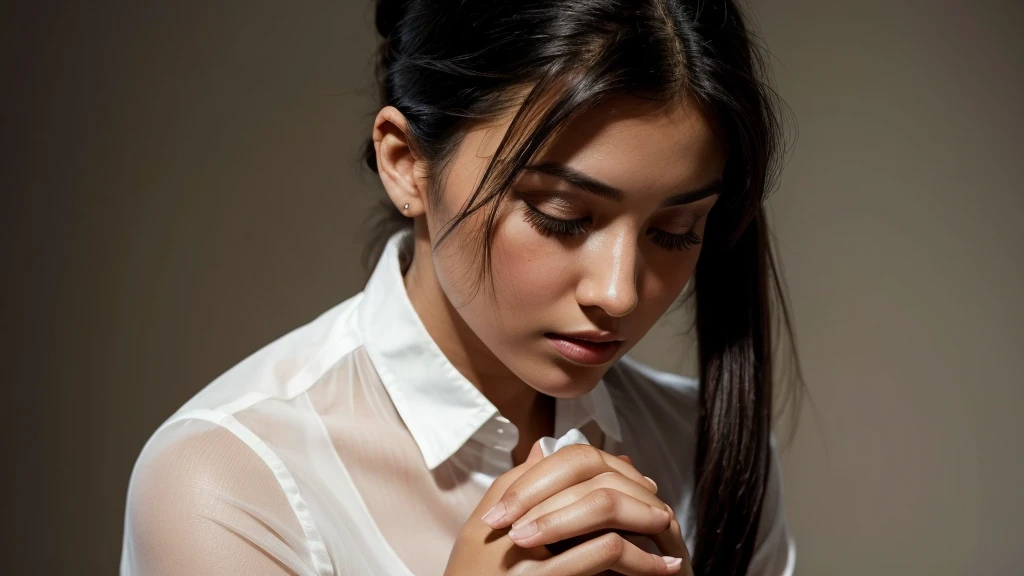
[(558, 171)]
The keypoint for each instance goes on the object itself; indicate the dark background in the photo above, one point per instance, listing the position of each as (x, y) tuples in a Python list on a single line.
[(181, 185), (185, 189)]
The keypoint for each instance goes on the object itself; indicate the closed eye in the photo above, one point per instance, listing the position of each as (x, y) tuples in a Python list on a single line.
[(549, 225), (670, 241)]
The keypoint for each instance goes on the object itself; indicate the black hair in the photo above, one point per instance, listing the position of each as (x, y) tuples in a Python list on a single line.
[(446, 64)]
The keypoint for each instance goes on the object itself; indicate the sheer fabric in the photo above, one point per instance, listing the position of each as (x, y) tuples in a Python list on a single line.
[(351, 446)]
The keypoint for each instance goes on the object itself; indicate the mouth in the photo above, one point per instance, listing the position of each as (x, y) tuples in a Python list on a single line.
[(589, 349)]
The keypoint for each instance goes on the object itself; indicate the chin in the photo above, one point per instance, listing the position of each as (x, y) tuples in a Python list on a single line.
[(563, 379)]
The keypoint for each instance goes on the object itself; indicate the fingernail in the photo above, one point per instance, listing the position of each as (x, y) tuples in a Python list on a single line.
[(652, 482), (494, 515), (524, 531), (672, 562)]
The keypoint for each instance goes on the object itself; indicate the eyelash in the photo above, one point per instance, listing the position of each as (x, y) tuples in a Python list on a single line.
[(670, 241), (549, 225)]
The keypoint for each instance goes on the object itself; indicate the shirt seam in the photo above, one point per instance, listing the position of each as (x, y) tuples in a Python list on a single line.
[(286, 481)]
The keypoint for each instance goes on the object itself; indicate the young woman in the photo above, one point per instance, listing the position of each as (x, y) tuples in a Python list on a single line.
[(558, 171)]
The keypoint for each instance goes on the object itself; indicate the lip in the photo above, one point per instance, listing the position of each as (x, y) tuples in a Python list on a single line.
[(587, 348)]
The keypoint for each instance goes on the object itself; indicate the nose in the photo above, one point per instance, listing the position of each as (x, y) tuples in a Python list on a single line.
[(609, 276)]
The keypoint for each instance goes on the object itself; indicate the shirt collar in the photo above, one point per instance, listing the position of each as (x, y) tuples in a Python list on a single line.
[(440, 407)]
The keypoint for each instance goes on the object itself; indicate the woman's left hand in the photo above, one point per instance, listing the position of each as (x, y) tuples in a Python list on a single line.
[(581, 490)]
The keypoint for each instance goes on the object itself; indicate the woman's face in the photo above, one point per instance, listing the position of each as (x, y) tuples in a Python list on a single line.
[(594, 242)]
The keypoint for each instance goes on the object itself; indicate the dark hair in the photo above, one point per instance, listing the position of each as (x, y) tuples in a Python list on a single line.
[(448, 63)]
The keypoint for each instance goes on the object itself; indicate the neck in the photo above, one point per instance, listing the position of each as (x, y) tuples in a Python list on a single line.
[(530, 411)]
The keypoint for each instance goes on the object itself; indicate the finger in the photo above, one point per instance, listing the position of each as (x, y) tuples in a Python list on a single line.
[(601, 509), (567, 467), (574, 493), (627, 470), (647, 543), (669, 541), (628, 460), (608, 552)]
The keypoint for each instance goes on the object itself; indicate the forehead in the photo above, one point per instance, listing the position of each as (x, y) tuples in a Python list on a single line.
[(641, 147), (646, 149)]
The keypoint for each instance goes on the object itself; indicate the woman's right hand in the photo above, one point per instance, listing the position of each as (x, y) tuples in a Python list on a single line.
[(479, 549)]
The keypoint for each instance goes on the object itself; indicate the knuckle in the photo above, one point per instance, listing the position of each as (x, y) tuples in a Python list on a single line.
[(664, 525), (585, 456), (605, 501), (512, 500), (611, 547), (673, 523), (546, 523)]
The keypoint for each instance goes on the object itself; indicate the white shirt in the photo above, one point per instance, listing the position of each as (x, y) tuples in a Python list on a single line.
[(352, 446)]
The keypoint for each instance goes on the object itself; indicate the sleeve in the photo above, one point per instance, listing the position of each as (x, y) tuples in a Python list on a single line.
[(202, 502), (775, 551)]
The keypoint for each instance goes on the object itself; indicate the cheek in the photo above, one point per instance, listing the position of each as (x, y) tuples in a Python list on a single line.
[(533, 281), (532, 278), (530, 269), (666, 276)]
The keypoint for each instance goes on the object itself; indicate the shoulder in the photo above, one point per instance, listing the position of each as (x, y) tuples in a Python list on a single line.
[(211, 483), (194, 459), (286, 367), (199, 452), (200, 494)]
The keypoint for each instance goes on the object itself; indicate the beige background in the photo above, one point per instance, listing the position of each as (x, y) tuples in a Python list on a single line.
[(181, 185)]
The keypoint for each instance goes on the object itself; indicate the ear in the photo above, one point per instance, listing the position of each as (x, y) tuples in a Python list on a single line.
[(401, 170)]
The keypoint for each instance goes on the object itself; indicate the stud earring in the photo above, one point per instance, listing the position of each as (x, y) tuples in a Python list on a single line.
[(406, 207)]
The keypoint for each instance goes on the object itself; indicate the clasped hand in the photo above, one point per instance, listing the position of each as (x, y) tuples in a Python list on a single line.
[(579, 511)]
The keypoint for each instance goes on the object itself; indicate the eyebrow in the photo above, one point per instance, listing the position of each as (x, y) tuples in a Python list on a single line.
[(580, 180)]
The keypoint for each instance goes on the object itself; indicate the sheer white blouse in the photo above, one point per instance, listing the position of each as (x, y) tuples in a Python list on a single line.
[(352, 446)]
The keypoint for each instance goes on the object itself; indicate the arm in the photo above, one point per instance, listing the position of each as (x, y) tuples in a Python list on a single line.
[(203, 502)]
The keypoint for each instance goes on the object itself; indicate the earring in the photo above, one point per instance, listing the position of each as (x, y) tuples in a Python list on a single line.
[(406, 207)]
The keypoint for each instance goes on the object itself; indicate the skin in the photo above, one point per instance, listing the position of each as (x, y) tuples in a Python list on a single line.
[(612, 277), (579, 495)]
